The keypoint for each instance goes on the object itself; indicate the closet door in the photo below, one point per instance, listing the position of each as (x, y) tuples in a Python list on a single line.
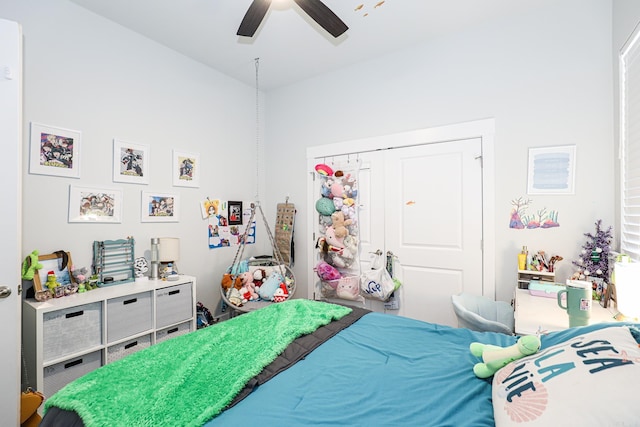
[(433, 223)]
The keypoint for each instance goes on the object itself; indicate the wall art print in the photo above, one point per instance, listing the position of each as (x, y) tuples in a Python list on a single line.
[(88, 204), (130, 162), (54, 151), (159, 207), (186, 169), (521, 217)]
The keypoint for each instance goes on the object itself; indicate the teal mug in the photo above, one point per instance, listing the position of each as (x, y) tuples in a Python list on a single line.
[(578, 302)]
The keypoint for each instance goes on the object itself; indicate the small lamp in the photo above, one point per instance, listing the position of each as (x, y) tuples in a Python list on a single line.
[(155, 257), (169, 254)]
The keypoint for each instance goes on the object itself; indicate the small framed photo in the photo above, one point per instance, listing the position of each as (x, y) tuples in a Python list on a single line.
[(94, 204), (186, 169), (159, 207), (57, 263), (551, 170), (54, 151), (235, 213), (130, 162)]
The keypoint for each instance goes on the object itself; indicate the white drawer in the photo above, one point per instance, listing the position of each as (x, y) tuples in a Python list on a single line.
[(129, 315), (173, 304), (173, 331), (71, 330), (125, 348), (58, 375)]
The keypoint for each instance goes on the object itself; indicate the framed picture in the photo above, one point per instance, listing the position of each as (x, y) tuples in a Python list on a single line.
[(552, 170), (58, 263), (159, 207), (235, 213), (130, 162), (186, 169), (54, 151), (94, 204)]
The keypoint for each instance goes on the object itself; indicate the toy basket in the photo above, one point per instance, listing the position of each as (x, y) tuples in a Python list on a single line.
[(269, 265)]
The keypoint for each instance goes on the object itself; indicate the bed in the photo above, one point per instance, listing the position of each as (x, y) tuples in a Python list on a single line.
[(304, 362)]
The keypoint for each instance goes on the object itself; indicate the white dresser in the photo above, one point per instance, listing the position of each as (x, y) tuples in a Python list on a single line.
[(67, 337)]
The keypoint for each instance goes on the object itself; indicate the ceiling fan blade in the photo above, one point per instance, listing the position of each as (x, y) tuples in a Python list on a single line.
[(320, 13), (253, 17)]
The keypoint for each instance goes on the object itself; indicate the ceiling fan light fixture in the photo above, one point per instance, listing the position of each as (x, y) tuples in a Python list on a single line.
[(316, 10)]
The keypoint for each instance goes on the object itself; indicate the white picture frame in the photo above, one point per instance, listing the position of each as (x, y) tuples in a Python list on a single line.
[(54, 151), (186, 169), (95, 205), (130, 162), (160, 207), (551, 170)]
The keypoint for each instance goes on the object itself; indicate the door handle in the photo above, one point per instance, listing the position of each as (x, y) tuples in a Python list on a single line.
[(5, 291)]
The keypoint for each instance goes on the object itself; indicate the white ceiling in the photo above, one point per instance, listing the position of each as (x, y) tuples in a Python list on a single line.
[(291, 46)]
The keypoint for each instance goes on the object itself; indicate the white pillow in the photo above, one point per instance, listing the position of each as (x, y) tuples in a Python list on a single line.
[(589, 380)]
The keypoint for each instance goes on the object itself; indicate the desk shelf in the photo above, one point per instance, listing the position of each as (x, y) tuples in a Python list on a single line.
[(526, 276)]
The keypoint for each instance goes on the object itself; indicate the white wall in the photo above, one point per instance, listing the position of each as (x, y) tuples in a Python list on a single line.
[(83, 72), (545, 77)]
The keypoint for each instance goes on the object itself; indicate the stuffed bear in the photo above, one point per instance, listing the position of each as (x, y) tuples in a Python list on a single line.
[(495, 357), (340, 224), (228, 281)]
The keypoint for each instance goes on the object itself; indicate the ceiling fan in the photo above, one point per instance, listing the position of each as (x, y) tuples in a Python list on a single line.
[(317, 10)]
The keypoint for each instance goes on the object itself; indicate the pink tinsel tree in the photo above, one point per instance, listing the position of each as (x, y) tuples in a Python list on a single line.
[(594, 256)]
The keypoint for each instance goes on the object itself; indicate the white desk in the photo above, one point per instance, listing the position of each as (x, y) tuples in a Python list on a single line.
[(533, 313)]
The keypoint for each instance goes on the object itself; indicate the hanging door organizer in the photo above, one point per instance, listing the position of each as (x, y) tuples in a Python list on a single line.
[(113, 261)]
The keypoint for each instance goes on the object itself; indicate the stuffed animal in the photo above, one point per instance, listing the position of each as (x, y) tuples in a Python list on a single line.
[(348, 289), (234, 297), (248, 289), (327, 272), (340, 224), (281, 294), (268, 289), (30, 265), (495, 357), (259, 276), (229, 281), (80, 274)]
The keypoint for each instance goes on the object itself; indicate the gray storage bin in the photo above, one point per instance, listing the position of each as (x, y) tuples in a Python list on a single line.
[(57, 376), (173, 331), (71, 330), (129, 315), (125, 348), (173, 304)]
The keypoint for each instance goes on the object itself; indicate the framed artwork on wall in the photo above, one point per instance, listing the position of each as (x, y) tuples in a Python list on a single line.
[(159, 207), (130, 162), (94, 204), (552, 170), (54, 151), (235, 213), (186, 169)]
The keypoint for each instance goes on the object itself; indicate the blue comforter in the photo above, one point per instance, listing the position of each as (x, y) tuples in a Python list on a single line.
[(381, 371)]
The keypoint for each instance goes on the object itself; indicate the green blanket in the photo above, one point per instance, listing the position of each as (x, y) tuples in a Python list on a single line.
[(189, 379)]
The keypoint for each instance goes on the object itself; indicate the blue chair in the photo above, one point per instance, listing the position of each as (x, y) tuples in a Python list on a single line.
[(482, 314)]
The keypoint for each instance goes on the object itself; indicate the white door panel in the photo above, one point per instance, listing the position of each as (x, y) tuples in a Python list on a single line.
[(433, 221), (10, 226)]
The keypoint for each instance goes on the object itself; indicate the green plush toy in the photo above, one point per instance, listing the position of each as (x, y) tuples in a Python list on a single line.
[(495, 357), (30, 265)]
